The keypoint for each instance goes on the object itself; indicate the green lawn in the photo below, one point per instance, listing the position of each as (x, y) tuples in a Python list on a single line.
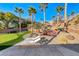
[(7, 40)]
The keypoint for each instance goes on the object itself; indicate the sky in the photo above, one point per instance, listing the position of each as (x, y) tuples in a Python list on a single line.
[(50, 11)]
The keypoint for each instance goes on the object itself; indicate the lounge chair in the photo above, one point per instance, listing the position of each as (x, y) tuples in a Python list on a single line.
[(33, 40), (29, 41), (43, 40)]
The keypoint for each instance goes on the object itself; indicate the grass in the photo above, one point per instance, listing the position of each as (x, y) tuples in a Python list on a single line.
[(7, 40)]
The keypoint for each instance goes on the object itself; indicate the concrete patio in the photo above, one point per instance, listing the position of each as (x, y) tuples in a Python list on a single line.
[(45, 50)]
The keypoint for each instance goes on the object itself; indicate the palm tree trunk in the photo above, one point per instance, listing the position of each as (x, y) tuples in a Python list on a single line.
[(58, 18), (32, 23), (65, 13), (34, 19), (65, 16), (44, 17), (19, 23)]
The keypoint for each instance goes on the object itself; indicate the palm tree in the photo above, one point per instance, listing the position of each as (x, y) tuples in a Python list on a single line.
[(59, 9), (65, 16), (20, 11), (32, 12), (43, 7)]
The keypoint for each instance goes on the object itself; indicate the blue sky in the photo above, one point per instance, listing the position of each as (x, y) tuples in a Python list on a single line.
[(51, 10)]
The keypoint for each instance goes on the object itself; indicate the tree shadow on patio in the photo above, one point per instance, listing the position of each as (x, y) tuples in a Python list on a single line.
[(74, 47)]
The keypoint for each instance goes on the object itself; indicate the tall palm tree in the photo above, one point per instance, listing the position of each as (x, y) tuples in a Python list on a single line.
[(65, 12), (43, 7), (20, 11), (32, 12), (59, 9), (65, 16)]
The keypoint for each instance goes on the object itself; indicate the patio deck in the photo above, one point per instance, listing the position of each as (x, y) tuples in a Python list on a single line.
[(45, 50)]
